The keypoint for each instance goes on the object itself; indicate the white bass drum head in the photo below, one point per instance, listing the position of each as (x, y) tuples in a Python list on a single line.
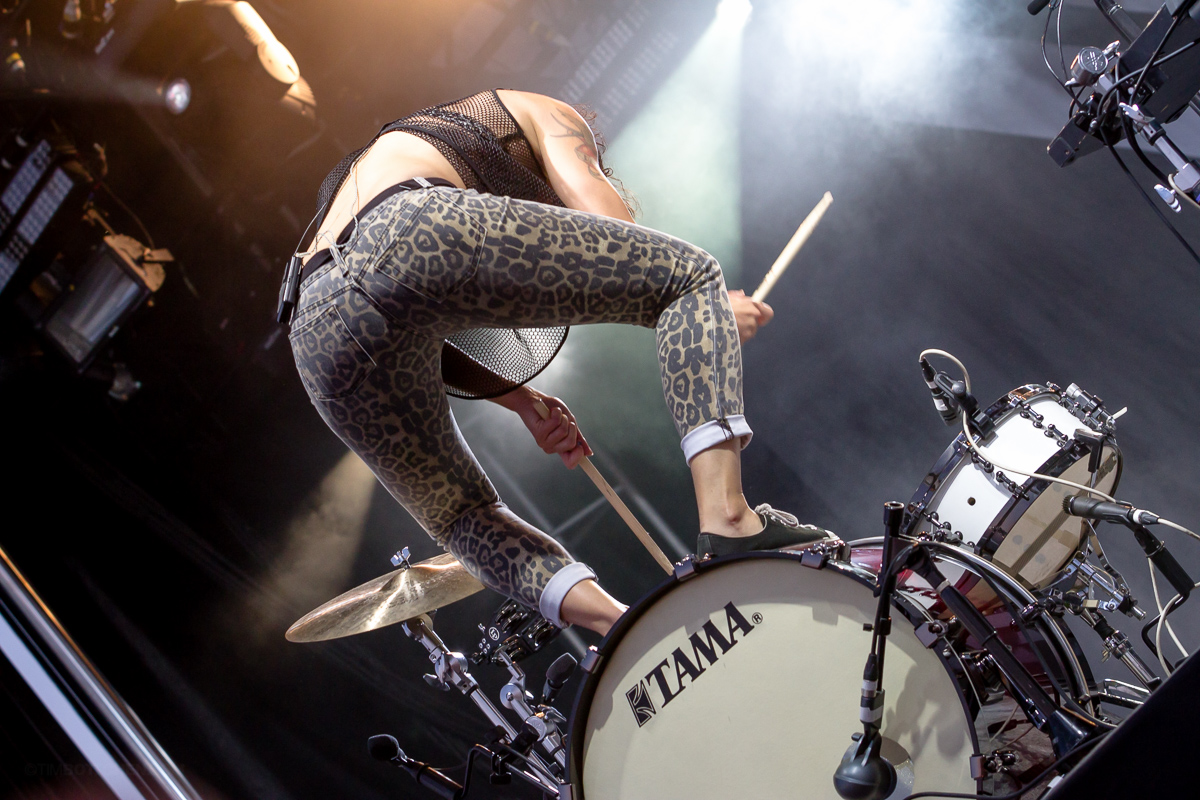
[(770, 713)]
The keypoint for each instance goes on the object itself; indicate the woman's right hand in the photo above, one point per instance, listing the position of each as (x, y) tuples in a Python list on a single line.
[(558, 433)]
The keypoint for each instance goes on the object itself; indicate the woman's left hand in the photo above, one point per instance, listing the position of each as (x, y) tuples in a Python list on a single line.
[(750, 314), (558, 433)]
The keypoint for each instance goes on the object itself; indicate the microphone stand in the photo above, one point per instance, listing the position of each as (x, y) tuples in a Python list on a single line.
[(864, 773)]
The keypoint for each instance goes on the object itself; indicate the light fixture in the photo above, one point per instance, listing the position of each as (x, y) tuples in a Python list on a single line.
[(177, 95)]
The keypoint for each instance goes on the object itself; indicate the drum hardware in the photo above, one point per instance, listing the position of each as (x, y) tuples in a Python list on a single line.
[(986, 675), (1117, 644), (1108, 581), (514, 634), (544, 724), (1122, 694), (400, 558), (1015, 595), (1067, 725), (450, 672), (999, 761)]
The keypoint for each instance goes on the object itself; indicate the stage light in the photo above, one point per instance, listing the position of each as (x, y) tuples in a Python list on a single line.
[(734, 13), (177, 95), (112, 284)]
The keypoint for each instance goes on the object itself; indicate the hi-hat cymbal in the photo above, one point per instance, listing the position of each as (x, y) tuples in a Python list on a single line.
[(388, 599)]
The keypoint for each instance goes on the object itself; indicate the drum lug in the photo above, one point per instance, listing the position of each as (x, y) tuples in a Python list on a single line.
[(978, 767), (685, 570), (929, 632), (591, 660), (814, 559)]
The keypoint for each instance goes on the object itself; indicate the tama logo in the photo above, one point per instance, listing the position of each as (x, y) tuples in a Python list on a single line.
[(668, 677)]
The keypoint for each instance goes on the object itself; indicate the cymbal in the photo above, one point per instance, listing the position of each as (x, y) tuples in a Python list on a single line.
[(388, 599)]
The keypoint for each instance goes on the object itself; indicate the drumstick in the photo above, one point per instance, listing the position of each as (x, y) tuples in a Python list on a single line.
[(617, 503), (789, 253)]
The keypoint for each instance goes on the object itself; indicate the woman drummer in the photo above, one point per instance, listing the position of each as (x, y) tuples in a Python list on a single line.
[(494, 212)]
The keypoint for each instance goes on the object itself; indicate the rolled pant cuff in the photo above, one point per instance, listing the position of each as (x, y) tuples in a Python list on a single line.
[(716, 432), (561, 582)]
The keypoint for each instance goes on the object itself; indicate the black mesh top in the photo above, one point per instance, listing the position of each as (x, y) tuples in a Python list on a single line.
[(485, 145), (480, 139)]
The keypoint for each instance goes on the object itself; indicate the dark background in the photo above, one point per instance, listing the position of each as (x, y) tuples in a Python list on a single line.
[(176, 535)]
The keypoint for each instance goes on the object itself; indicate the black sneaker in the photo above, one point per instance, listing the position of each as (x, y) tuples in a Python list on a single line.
[(780, 530)]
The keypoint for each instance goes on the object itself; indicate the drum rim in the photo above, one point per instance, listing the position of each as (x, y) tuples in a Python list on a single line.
[(587, 687), (1033, 488)]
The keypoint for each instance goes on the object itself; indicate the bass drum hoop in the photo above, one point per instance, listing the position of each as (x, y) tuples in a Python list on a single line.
[(583, 697), (1016, 506)]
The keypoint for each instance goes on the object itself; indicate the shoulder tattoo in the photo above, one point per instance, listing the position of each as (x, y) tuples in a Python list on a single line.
[(575, 128)]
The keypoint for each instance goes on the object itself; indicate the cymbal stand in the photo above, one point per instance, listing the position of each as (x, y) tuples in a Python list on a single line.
[(450, 672)]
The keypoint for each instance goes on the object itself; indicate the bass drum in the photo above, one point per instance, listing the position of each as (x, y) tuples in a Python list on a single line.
[(741, 676)]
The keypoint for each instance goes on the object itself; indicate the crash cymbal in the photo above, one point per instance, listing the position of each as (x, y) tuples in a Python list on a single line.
[(388, 599)]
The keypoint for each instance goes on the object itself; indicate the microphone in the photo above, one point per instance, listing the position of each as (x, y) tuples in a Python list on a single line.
[(385, 748), (864, 774), (557, 675), (1091, 508), (944, 403), (1136, 519)]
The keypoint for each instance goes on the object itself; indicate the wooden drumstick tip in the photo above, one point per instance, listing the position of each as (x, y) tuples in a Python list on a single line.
[(793, 247)]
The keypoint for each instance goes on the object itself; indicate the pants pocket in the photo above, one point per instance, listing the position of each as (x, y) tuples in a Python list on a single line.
[(433, 246), (330, 360)]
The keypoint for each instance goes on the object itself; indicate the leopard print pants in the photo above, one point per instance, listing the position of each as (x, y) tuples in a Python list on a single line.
[(367, 338)]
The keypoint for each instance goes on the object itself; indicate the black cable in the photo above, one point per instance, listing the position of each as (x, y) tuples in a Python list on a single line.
[(475, 750), (1174, 603), (1058, 35), (1013, 795), (1131, 135), (1153, 205), (1046, 58)]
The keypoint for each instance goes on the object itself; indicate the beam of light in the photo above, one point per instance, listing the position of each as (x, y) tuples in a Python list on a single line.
[(679, 156), (321, 545)]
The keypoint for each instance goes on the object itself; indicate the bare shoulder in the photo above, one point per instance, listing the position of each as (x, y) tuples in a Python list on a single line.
[(538, 114)]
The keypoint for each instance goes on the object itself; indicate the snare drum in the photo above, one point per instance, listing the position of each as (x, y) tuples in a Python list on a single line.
[(742, 677), (1017, 522)]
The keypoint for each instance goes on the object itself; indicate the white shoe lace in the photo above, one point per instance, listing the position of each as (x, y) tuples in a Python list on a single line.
[(782, 517)]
